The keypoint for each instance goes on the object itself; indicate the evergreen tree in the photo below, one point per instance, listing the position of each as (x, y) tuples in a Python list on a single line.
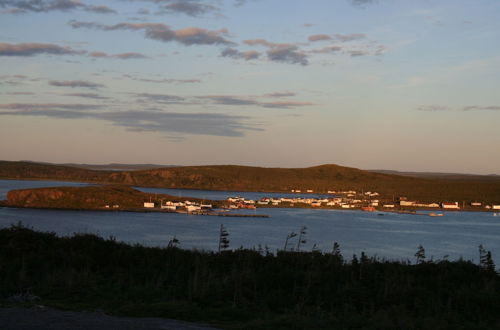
[(420, 254), (302, 232), (336, 251), (223, 238)]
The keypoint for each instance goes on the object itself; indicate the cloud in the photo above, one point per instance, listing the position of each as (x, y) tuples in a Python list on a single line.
[(478, 107), (234, 53), (40, 107), (466, 108), (87, 95), (100, 9), (433, 107), (32, 49), (215, 124), (261, 42), (286, 104), (252, 101), (163, 81), (326, 50), (161, 98), (287, 54), (122, 56), (43, 6), (357, 53), (319, 37), (350, 37), (280, 94), (188, 7), (128, 56), (361, 2), (75, 83), (20, 93), (161, 32)]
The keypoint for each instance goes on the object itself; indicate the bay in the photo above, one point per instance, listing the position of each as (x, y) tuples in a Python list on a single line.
[(386, 235)]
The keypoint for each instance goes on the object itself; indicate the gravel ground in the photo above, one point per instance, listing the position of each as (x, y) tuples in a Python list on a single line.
[(41, 318)]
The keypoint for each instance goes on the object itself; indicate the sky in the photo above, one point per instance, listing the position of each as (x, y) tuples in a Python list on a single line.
[(374, 84)]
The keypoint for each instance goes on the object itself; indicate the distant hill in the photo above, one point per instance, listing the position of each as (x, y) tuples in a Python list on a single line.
[(109, 167), (441, 175), (245, 178)]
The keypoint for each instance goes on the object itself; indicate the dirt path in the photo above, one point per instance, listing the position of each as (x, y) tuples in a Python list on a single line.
[(44, 318)]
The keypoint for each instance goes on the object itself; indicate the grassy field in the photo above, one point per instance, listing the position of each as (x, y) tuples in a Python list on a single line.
[(247, 289)]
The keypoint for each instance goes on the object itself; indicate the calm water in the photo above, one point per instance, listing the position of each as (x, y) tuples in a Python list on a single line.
[(394, 236)]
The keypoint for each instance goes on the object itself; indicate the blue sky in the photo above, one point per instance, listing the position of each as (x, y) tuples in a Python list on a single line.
[(405, 85)]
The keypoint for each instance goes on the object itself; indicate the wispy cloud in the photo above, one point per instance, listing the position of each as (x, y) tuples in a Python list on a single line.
[(479, 107), (361, 2), (465, 108), (234, 53), (75, 83), (161, 32), (160, 98), (121, 56), (40, 107), (350, 37), (215, 124), (319, 37), (254, 101), (287, 54), (31, 49), (88, 96), (43, 6), (281, 52), (188, 7), (433, 107), (280, 94), (163, 81), (20, 93)]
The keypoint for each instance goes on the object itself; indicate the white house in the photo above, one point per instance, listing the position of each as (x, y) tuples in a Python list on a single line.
[(450, 205), (495, 207), (149, 205), (193, 208)]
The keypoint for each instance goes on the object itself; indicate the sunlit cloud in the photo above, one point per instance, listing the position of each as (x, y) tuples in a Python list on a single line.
[(32, 49), (161, 32)]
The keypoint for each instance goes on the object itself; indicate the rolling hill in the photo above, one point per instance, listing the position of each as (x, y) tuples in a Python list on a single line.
[(245, 178)]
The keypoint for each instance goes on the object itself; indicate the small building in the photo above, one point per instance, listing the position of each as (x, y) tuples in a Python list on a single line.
[(149, 205), (476, 204), (406, 203), (495, 207), (389, 206), (310, 190), (453, 206), (193, 208)]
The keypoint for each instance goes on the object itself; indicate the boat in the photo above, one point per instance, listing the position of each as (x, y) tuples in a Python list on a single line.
[(432, 214), (368, 208)]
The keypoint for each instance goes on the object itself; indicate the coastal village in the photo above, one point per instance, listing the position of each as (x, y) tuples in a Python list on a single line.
[(367, 201)]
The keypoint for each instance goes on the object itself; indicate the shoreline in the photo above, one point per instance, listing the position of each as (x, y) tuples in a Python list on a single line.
[(225, 214)]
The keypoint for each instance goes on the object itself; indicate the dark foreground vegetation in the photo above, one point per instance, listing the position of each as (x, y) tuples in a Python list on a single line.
[(246, 289)]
